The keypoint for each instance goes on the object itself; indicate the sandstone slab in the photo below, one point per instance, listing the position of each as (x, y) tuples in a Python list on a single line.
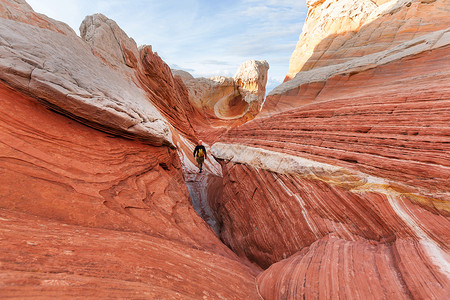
[(46, 259), (367, 270), (62, 72)]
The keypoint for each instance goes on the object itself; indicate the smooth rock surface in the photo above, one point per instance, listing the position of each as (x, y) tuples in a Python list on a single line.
[(46, 259), (100, 211), (339, 31), (61, 71), (144, 68), (87, 214), (21, 11), (397, 69), (366, 270), (109, 42), (224, 102), (166, 92), (371, 129), (340, 187), (251, 78)]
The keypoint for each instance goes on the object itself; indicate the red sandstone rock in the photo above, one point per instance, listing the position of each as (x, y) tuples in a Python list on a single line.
[(346, 172), (132, 228), (351, 223), (118, 217), (20, 11), (290, 212), (366, 270), (417, 66), (166, 92), (46, 259), (356, 122)]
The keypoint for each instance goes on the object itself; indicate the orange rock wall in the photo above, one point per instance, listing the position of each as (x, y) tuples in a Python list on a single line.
[(336, 268), (375, 228), (144, 67), (379, 122), (288, 212), (89, 214), (166, 92)]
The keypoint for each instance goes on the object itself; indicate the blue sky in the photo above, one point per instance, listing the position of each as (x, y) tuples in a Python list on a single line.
[(205, 38)]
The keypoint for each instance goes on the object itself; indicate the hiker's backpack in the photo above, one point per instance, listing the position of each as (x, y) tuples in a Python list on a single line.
[(200, 153)]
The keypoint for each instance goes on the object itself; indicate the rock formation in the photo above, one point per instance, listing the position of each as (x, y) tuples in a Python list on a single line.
[(93, 199), (229, 98), (339, 188), (73, 81), (20, 11), (226, 102), (146, 69), (337, 31)]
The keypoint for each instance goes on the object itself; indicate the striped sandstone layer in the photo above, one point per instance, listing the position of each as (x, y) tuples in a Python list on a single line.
[(340, 187), (406, 68), (99, 211), (87, 214), (357, 122)]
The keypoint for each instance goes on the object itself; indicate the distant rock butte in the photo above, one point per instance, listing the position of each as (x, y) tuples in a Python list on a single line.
[(226, 102), (229, 98)]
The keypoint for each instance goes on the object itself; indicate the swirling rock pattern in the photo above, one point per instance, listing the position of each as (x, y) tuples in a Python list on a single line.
[(370, 130), (339, 188), (337, 268), (225, 102), (93, 199), (88, 214)]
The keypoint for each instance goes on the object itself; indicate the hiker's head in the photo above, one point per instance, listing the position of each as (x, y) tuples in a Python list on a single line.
[(200, 142)]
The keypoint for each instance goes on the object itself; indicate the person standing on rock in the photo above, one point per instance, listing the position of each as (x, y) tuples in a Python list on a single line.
[(200, 154)]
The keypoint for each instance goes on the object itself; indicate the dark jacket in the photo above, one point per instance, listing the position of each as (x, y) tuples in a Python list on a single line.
[(198, 148)]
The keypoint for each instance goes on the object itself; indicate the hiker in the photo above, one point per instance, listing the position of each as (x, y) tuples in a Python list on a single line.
[(200, 154)]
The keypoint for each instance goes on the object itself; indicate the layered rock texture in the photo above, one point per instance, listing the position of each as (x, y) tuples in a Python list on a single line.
[(226, 102), (340, 187), (337, 31), (86, 214), (93, 199)]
